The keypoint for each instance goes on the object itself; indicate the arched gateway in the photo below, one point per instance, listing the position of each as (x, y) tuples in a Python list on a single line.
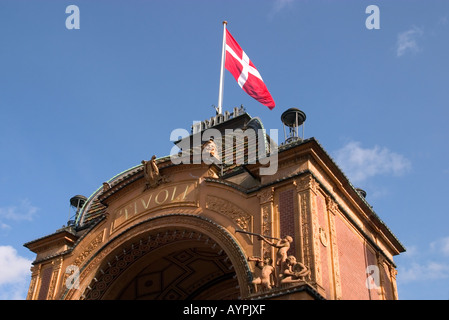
[(175, 256), (223, 226)]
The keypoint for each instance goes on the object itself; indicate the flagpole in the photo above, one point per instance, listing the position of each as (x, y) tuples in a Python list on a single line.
[(223, 54)]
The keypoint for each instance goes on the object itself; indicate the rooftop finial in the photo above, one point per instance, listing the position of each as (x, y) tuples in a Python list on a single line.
[(293, 118)]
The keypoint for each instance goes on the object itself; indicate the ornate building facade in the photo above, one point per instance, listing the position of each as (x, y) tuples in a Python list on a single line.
[(204, 230)]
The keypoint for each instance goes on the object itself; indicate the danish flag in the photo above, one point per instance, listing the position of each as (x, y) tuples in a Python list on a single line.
[(246, 74)]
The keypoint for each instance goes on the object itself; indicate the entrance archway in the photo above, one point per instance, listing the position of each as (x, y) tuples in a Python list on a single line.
[(174, 257)]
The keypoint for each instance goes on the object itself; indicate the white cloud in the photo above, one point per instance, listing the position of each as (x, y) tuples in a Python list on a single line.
[(430, 264), (361, 163), (14, 274), (280, 5), (412, 251), (4, 226), (430, 270), (441, 246), (407, 41), (24, 211), (443, 21)]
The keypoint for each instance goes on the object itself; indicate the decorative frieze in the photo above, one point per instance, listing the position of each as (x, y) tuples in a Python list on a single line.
[(266, 197), (232, 211), (306, 182), (315, 233), (88, 249), (304, 222), (331, 212)]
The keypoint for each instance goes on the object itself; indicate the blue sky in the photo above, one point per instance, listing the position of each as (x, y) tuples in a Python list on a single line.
[(79, 106)]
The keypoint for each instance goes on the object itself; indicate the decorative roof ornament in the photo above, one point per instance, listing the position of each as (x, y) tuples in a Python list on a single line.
[(151, 173), (153, 177), (106, 186)]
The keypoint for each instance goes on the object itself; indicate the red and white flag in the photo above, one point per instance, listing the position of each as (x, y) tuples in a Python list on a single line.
[(246, 74)]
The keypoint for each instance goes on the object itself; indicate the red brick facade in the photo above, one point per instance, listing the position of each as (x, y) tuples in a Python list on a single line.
[(351, 254), (287, 217), (46, 277), (344, 273)]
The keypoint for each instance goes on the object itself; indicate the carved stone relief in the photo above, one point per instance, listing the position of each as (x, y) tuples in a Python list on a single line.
[(306, 182), (286, 270), (266, 195), (57, 263), (34, 275), (88, 249), (232, 211), (266, 202)]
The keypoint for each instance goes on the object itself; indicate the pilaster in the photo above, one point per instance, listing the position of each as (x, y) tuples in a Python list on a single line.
[(266, 213), (332, 209), (306, 189)]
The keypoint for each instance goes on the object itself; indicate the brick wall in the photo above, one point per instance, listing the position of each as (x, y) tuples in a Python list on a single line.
[(388, 290), (287, 217), (354, 257), (45, 283), (371, 260), (352, 261)]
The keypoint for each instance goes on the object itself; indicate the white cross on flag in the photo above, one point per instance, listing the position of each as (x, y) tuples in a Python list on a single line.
[(246, 74)]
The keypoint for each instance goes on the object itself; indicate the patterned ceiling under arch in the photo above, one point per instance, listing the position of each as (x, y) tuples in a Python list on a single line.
[(192, 273), (166, 265)]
